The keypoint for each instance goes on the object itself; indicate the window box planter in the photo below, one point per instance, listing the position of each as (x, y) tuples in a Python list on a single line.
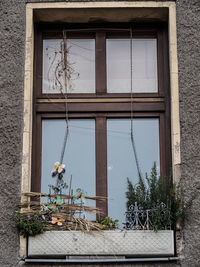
[(129, 243)]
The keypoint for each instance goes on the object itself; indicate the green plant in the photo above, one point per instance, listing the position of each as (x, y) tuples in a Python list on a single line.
[(108, 223), (153, 191), (30, 225)]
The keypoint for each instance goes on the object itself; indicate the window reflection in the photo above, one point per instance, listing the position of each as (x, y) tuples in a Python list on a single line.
[(80, 58), (144, 56), (79, 155), (121, 162)]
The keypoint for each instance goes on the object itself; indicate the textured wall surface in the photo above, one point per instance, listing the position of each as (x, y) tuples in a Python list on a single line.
[(188, 25), (104, 265), (12, 37), (38, 1)]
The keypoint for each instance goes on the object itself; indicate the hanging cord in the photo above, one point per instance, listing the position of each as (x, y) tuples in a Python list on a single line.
[(65, 68), (132, 135)]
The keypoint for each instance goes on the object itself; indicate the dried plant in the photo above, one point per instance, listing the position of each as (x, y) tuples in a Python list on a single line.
[(35, 216), (61, 72)]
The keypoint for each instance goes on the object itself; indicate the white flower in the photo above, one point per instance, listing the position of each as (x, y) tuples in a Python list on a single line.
[(58, 168)]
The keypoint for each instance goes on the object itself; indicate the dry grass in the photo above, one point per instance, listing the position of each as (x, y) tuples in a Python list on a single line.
[(65, 211)]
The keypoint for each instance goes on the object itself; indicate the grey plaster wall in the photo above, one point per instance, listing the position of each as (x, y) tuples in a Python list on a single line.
[(188, 26), (104, 265), (38, 1), (12, 37)]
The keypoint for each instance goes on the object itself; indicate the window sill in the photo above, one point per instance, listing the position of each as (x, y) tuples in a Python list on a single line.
[(128, 243)]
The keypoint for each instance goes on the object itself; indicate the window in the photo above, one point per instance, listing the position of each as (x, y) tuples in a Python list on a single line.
[(100, 106)]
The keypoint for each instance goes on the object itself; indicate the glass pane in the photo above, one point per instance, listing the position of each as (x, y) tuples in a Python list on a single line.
[(79, 155), (121, 162), (144, 52), (80, 70)]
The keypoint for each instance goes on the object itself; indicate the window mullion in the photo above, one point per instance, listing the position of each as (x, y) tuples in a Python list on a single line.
[(101, 164), (100, 62)]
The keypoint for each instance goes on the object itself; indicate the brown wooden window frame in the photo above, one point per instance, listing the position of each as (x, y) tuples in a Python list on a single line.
[(102, 105)]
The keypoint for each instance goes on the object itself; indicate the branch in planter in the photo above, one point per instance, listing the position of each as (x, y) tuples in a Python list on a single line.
[(71, 207), (77, 224), (36, 194), (37, 224), (36, 217)]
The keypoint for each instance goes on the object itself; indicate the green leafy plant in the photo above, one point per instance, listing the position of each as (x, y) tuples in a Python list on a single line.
[(108, 223), (30, 225), (154, 190)]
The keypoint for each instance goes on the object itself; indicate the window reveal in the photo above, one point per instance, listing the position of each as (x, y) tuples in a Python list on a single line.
[(104, 98)]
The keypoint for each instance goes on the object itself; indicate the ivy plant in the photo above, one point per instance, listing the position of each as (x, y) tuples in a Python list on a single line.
[(108, 223), (30, 225)]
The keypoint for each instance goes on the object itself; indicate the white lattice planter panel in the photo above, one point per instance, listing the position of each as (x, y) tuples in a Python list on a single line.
[(135, 243)]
